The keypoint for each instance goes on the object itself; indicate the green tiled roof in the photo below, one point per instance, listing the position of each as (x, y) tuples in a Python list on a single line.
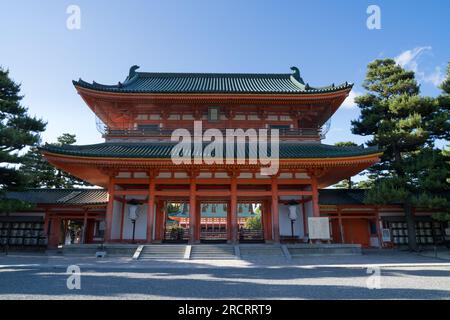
[(100, 196), (237, 83), (162, 150), (61, 196), (355, 196), (341, 196)]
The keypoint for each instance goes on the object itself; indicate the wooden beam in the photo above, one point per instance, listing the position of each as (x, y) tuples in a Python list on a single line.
[(217, 193), (131, 192), (295, 193), (173, 193), (349, 217), (131, 180)]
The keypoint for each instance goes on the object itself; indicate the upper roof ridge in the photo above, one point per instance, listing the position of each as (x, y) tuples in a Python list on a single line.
[(203, 82)]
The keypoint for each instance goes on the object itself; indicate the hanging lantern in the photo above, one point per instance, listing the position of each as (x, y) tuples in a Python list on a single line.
[(293, 210), (133, 209)]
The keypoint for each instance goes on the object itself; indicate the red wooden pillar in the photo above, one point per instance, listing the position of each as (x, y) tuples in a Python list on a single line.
[(151, 207), (275, 215), (192, 210), (227, 221), (233, 209), (341, 227), (305, 218), (109, 209), (55, 232), (159, 220), (267, 217), (377, 221), (122, 216), (46, 222), (198, 214), (85, 220), (315, 197)]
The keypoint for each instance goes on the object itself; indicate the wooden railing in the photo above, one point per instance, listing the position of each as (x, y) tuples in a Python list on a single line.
[(251, 235), (181, 235), (213, 235), (305, 132)]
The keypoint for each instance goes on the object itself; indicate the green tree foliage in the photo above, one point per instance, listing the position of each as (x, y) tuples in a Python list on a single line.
[(346, 183), (18, 130), (253, 223), (41, 174), (412, 172)]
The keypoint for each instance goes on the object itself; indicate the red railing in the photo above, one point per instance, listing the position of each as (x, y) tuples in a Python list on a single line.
[(303, 132)]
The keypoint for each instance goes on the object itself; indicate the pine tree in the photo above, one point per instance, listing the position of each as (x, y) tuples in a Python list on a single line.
[(18, 130), (404, 125), (41, 174), (346, 183)]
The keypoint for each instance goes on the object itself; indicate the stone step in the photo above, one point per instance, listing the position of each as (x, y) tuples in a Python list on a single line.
[(297, 251), (260, 251), (162, 252), (91, 249), (209, 252)]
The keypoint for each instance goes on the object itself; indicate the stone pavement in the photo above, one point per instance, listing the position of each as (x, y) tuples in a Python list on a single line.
[(442, 254), (369, 257)]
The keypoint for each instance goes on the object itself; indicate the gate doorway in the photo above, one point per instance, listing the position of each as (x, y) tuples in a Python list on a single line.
[(213, 222), (251, 229), (176, 222), (72, 231)]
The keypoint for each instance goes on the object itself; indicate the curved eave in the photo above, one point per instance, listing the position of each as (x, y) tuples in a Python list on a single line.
[(95, 169), (93, 89), (313, 161)]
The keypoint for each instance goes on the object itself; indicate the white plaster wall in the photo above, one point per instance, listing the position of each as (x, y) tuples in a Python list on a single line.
[(141, 222), (374, 242), (116, 220), (285, 222), (141, 225), (140, 175)]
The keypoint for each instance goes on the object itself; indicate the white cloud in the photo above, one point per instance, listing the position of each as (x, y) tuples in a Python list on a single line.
[(349, 102), (409, 60), (436, 77), (336, 130)]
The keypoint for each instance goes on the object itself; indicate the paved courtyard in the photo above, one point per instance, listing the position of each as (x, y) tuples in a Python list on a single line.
[(402, 276)]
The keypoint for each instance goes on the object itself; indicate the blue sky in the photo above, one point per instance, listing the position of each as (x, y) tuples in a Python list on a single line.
[(327, 40)]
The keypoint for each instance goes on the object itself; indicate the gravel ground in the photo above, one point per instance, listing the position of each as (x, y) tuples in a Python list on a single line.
[(402, 276)]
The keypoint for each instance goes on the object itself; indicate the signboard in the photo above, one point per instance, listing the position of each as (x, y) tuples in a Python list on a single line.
[(319, 228), (386, 235)]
